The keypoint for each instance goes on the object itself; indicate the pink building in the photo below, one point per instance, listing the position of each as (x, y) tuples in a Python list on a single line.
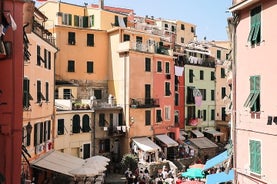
[(255, 118)]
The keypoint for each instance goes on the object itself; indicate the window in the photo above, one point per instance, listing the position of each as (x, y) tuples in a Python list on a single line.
[(167, 113), (218, 54), (40, 96), (67, 94), (212, 95), (203, 93), (172, 28), (176, 99), (104, 145), (45, 58), (192, 29), (26, 93), (85, 21), (253, 99), (90, 40), (166, 26), (46, 91), (91, 21), (26, 138), (182, 40), (204, 115), (86, 151), (159, 66), (199, 113), (102, 120), (71, 66), (60, 127), (255, 156), (49, 60), (222, 72), (201, 75), (158, 116), (120, 118), (223, 113), (223, 92), (38, 56), (89, 67), (254, 36), (76, 20), (98, 94), (47, 130), (212, 114), (176, 117), (147, 64), (71, 38), (38, 133), (190, 97), (76, 124), (182, 27), (167, 67), (167, 89), (85, 123), (66, 19), (147, 117), (191, 75), (212, 76), (126, 37), (116, 22)]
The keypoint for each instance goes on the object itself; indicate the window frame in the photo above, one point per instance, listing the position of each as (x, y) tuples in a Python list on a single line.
[(254, 36), (90, 40), (71, 66), (148, 64), (90, 67)]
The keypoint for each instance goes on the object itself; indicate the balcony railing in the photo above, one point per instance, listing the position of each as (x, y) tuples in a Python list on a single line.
[(138, 46), (115, 130), (144, 103)]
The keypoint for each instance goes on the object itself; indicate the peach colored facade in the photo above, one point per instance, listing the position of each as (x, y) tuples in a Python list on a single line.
[(254, 123)]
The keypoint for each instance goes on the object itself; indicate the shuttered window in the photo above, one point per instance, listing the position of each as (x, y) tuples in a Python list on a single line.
[(254, 36), (255, 156), (253, 99)]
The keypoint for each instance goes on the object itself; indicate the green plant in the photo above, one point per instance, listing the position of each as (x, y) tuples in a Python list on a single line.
[(129, 161)]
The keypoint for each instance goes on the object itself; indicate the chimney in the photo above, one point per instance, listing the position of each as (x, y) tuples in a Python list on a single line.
[(101, 4)]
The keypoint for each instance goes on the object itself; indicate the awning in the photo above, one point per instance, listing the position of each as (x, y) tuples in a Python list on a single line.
[(167, 140), (216, 160), (213, 132), (203, 143), (58, 162), (182, 132), (220, 177), (182, 138), (146, 144), (197, 133)]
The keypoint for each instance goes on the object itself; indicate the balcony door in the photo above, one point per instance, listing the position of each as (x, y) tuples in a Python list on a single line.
[(147, 93)]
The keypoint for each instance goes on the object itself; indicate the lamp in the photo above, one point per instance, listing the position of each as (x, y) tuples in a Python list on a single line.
[(29, 128), (132, 121)]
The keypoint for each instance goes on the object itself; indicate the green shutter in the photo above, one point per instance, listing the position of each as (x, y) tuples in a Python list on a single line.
[(258, 157), (70, 19), (76, 20), (252, 155), (255, 156), (85, 21)]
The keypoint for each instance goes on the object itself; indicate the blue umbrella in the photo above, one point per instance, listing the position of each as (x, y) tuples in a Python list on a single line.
[(193, 173)]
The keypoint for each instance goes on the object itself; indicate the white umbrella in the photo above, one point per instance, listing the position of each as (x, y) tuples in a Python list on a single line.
[(99, 158), (83, 171), (96, 166), (96, 161)]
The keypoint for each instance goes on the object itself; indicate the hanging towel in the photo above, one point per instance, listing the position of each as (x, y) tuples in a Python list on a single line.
[(198, 100), (179, 71), (121, 22), (13, 24)]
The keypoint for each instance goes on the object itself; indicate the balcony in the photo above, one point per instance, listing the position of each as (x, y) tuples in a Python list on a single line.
[(144, 103), (115, 131), (150, 48)]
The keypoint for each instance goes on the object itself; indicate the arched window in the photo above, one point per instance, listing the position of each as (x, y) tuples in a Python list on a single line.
[(86, 127), (76, 124)]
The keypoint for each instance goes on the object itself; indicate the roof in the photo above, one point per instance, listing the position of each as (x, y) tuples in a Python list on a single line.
[(167, 140), (203, 142), (146, 144), (58, 162)]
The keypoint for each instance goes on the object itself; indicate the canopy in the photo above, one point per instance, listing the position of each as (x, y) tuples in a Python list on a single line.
[(83, 171), (197, 133), (146, 144), (193, 173), (167, 140), (216, 160), (220, 177), (213, 132), (58, 162)]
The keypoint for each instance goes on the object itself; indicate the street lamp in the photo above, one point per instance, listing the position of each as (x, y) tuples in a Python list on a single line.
[(29, 128)]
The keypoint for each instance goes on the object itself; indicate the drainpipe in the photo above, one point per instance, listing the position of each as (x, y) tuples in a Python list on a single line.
[(234, 23)]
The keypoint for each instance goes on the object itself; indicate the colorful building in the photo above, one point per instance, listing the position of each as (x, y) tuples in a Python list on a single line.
[(254, 110)]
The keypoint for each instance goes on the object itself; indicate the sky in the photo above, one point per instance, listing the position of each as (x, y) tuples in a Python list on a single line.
[(210, 17)]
